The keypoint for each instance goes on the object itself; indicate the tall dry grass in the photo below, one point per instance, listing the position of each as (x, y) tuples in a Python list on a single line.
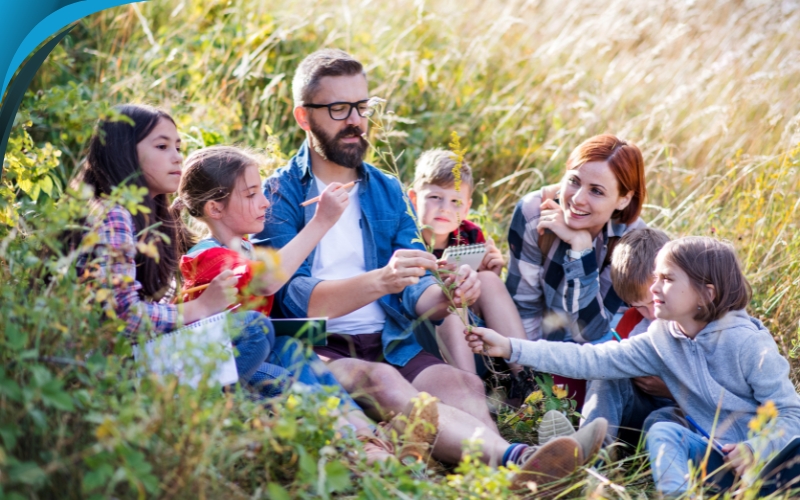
[(707, 88)]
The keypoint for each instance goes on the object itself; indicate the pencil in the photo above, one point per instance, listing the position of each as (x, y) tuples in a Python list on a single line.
[(238, 272), (316, 198), (704, 433)]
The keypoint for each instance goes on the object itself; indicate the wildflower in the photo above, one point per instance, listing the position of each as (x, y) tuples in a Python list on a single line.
[(292, 402), (764, 415), (534, 397), (458, 156), (332, 402), (375, 105), (559, 391)]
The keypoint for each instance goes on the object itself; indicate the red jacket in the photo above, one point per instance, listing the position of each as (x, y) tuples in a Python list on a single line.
[(201, 268)]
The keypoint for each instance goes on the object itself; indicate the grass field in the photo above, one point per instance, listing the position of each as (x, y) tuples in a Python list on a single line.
[(708, 90)]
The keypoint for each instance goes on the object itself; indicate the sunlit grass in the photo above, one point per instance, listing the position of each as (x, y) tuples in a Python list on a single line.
[(708, 89)]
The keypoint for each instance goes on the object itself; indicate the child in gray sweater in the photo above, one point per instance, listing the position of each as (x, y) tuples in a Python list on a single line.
[(719, 363)]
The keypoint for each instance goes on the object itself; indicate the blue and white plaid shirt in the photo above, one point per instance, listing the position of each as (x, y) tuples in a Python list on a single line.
[(558, 298)]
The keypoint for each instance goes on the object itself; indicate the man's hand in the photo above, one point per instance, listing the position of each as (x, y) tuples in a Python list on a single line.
[(653, 386), (485, 340), (739, 457), (404, 269), (493, 260)]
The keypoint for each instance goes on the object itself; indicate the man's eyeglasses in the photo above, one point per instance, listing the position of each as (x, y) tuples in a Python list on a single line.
[(341, 110)]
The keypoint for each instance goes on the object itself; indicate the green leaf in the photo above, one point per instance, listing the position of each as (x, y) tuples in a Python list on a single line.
[(15, 339), (277, 492), (337, 477), (307, 465), (286, 429), (10, 389), (97, 478), (47, 185), (26, 473), (9, 432), (60, 400)]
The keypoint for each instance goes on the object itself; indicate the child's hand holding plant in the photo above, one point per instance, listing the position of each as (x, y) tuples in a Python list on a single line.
[(467, 286), (488, 341)]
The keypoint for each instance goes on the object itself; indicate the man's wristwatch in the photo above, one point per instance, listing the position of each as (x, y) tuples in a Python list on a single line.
[(573, 255)]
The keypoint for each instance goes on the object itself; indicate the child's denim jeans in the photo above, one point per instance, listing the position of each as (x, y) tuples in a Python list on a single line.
[(253, 343), (621, 403), (288, 364), (671, 446)]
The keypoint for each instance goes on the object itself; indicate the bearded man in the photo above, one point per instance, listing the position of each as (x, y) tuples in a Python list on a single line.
[(373, 281)]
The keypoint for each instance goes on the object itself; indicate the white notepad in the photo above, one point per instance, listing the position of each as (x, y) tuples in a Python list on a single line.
[(184, 352), (465, 254)]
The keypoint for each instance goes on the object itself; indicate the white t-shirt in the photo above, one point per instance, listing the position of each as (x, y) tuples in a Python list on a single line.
[(340, 255)]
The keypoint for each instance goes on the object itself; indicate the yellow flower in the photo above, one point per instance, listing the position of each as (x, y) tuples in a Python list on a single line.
[(292, 402), (534, 397), (458, 156), (332, 402), (764, 415), (559, 391)]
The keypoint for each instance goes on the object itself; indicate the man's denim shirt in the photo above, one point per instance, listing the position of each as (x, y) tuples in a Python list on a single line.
[(387, 227)]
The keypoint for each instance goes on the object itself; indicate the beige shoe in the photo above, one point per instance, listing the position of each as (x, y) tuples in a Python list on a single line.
[(547, 463), (554, 424), (591, 437), (416, 428)]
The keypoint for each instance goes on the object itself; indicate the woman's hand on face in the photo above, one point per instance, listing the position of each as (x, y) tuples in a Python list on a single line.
[(493, 260), (552, 218), (332, 204)]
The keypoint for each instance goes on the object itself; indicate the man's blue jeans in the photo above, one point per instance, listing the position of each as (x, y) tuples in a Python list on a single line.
[(671, 446)]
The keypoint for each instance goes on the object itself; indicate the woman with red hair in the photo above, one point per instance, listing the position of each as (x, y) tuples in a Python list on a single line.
[(558, 272)]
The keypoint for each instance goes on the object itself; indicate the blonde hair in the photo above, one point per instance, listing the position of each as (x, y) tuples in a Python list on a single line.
[(435, 166), (633, 261)]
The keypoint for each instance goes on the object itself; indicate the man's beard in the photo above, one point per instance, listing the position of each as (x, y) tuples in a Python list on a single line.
[(346, 155)]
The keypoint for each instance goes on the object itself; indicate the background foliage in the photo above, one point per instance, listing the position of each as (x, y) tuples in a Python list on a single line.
[(707, 89)]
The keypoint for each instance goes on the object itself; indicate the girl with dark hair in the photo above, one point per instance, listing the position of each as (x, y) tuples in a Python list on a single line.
[(142, 149), (221, 188), (722, 366)]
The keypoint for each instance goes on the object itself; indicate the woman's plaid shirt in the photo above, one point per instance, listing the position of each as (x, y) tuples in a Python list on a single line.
[(558, 298)]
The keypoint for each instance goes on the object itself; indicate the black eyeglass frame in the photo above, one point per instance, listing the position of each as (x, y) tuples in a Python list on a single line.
[(353, 105)]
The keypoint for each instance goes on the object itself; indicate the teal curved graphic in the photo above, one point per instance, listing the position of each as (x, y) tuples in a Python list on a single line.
[(23, 27)]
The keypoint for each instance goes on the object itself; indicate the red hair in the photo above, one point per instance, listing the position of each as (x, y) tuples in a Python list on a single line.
[(625, 161)]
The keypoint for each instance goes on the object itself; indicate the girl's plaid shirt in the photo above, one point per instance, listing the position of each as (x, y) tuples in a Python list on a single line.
[(112, 263)]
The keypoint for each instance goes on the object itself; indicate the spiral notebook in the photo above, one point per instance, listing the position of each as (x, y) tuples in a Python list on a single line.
[(187, 351), (465, 254)]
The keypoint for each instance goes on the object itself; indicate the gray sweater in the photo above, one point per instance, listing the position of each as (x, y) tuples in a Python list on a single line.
[(733, 365)]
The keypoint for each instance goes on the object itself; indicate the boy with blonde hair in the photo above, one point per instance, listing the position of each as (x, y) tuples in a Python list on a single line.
[(443, 210), (626, 403)]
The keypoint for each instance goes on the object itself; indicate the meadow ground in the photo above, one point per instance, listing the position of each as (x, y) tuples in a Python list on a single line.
[(708, 90)]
